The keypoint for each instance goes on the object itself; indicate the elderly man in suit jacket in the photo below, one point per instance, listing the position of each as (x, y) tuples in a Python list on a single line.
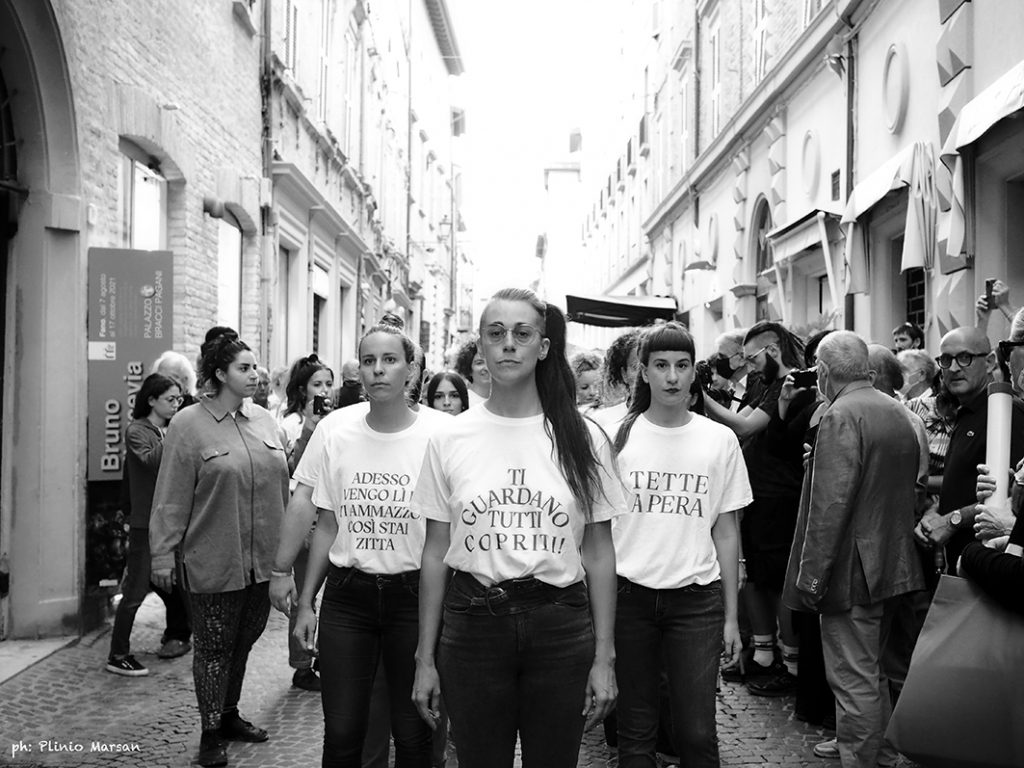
[(853, 549)]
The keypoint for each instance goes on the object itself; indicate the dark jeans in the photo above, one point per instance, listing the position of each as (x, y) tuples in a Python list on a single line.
[(680, 631), (514, 659), (365, 618), (134, 589), (227, 624)]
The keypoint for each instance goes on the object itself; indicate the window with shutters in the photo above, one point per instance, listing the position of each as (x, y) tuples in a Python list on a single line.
[(715, 72), (325, 53), (291, 30), (811, 10), (143, 196), (760, 40), (229, 271)]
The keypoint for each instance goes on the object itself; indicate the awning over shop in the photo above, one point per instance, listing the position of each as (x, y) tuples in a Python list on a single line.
[(619, 311), (815, 229), (913, 167), (1001, 99)]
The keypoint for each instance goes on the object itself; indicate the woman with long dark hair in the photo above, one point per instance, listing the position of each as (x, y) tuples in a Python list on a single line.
[(676, 554), (518, 505), (219, 499), (447, 392), (368, 546), (155, 403), (308, 378)]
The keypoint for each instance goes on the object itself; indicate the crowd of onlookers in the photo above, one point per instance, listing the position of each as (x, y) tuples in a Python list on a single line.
[(864, 485)]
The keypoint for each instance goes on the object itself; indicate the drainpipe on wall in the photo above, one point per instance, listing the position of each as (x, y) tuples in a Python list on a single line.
[(268, 219), (851, 134), (696, 83)]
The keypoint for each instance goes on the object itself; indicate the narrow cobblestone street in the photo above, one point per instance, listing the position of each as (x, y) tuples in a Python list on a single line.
[(69, 702)]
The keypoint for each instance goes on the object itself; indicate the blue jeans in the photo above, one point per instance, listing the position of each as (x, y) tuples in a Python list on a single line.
[(680, 631), (514, 659), (365, 619)]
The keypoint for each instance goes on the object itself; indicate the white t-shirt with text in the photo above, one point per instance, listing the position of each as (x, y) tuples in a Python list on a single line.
[(497, 482), (367, 479), (678, 481), (308, 469)]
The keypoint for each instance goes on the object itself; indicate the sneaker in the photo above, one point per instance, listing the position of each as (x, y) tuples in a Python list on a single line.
[(172, 649), (126, 666), (306, 679), (828, 749), (781, 683), (212, 751)]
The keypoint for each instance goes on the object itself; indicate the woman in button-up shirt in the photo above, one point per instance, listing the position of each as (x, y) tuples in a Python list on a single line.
[(219, 498)]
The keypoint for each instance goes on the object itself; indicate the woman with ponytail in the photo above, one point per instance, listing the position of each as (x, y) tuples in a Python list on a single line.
[(676, 553), (367, 546), (218, 503), (518, 503)]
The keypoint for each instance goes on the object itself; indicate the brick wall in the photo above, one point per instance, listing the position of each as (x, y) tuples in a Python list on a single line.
[(195, 69)]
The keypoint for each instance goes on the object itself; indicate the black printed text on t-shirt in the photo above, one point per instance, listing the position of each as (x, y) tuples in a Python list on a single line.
[(512, 518), (377, 504), (668, 493)]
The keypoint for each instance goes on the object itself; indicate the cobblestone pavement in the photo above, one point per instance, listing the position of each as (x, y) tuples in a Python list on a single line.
[(67, 707)]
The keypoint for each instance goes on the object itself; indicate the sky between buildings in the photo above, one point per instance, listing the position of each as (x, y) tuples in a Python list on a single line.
[(535, 70)]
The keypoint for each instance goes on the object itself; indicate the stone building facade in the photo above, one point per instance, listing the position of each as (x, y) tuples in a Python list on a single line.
[(826, 163), (265, 145)]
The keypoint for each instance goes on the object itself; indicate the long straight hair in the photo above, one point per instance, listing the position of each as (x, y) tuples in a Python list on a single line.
[(670, 337), (556, 388)]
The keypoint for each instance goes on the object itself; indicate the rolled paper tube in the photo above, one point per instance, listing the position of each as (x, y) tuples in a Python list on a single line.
[(997, 441)]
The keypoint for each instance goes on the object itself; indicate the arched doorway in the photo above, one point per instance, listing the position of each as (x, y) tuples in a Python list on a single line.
[(9, 188), (42, 326)]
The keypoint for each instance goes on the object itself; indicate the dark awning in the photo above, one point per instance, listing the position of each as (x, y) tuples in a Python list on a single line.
[(620, 311)]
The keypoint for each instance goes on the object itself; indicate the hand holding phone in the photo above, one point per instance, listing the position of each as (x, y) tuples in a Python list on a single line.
[(990, 298), (805, 379), (320, 405)]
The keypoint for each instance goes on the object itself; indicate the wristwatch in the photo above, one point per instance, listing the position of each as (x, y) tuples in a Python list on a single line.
[(955, 518)]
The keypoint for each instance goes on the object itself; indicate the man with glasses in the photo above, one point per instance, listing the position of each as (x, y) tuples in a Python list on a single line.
[(774, 456), (966, 361)]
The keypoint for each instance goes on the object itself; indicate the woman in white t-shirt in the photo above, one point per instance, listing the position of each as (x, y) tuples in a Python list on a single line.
[(368, 543), (676, 554), (518, 504)]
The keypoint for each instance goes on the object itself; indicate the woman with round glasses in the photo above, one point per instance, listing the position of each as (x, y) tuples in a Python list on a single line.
[(447, 392), (155, 403), (518, 505)]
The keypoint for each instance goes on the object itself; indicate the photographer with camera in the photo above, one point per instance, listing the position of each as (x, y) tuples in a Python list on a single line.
[(744, 384), (774, 456)]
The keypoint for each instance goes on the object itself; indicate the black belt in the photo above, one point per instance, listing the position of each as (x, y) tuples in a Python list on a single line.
[(379, 579)]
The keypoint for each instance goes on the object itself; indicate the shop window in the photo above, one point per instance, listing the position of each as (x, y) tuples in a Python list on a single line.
[(229, 271), (915, 295), (762, 226), (321, 288), (762, 311), (319, 305), (143, 200)]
